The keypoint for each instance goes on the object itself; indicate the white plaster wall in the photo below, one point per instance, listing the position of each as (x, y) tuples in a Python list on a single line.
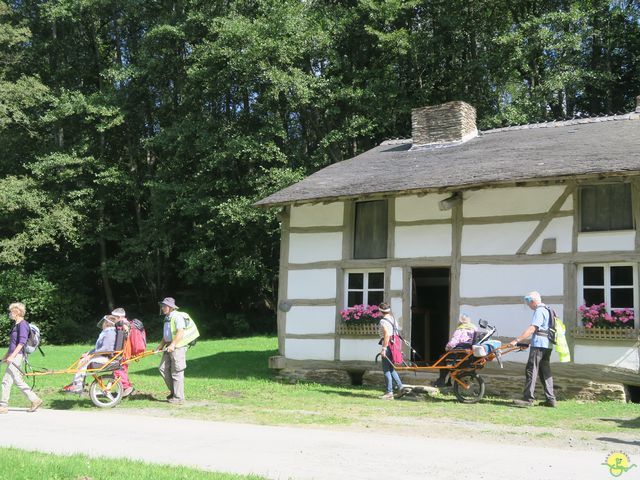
[(510, 201), (510, 320), (559, 228), (308, 215), (313, 349), (485, 280), (315, 247), (413, 208), (303, 320), (311, 284), (396, 278), (495, 239), (611, 241), (396, 308), (423, 241), (613, 354), (359, 349)]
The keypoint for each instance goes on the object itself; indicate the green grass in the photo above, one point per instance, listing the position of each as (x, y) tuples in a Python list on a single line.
[(228, 380), (25, 465)]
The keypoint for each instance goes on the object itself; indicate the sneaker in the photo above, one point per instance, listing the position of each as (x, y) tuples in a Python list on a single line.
[(72, 388), (170, 396), (128, 391), (35, 405), (548, 403), (4, 410), (387, 396), (176, 401), (523, 403)]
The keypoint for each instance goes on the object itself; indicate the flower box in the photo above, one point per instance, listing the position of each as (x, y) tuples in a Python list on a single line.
[(359, 320), (606, 333), (358, 328)]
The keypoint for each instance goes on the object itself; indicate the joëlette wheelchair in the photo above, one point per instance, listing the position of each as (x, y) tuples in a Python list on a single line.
[(463, 364), (106, 389)]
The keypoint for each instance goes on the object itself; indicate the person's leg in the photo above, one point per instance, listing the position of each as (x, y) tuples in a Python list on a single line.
[(531, 373), (165, 371), (7, 382), (123, 375), (178, 366), (545, 376), (386, 369), (396, 379), (20, 383)]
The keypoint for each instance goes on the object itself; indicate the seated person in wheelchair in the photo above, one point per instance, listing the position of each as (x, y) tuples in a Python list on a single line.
[(462, 337), (105, 343)]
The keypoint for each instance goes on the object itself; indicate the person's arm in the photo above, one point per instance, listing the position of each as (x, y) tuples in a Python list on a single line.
[(15, 352), (385, 340), (531, 329), (175, 340)]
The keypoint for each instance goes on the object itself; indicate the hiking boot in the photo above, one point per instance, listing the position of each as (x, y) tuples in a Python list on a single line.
[(35, 405), (387, 396), (523, 403), (4, 410), (170, 396), (128, 391), (72, 388), (548, 403), (176, 401)]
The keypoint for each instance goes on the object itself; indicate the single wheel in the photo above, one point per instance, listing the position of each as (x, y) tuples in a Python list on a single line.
[(106, 391), (474, 391)]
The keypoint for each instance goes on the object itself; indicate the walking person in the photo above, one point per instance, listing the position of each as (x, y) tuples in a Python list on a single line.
[(388, 327), (176, 336), (539, 354), (123, 373), (14, 358)]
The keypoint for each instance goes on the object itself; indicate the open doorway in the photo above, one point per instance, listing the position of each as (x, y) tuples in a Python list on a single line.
[(429, 312)]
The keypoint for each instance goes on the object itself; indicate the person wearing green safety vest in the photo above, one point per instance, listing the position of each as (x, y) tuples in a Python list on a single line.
[(174, 358)]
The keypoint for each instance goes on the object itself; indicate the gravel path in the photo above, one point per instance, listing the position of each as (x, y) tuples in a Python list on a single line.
[(310, 453)]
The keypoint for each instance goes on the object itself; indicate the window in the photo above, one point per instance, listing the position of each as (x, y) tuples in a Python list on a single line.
[(613, 285), (606, 207), (364, 288), (370, 232)]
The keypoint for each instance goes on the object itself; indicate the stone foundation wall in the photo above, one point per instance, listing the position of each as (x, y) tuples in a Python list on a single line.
[(497, 384)]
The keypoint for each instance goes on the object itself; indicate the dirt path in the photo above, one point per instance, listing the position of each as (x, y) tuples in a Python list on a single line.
[(435, 450)]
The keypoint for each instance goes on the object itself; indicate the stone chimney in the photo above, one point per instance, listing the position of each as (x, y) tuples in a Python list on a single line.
[(443, 125)]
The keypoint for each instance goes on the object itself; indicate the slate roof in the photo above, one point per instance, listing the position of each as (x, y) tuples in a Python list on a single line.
[(574, 148)]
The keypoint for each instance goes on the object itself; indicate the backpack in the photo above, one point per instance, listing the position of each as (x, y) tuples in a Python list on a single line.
[(33, 341), (552, 330), (395, 343), (137, 337)]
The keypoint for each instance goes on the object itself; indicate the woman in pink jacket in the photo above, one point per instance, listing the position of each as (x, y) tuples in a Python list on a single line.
[(462, 338)]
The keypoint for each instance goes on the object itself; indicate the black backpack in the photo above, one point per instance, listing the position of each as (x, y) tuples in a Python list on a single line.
[(552, 332)]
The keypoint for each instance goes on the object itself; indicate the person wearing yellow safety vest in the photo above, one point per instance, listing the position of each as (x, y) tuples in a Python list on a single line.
[(176, 337)]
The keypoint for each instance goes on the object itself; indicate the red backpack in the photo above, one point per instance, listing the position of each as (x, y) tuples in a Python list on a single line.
[(395, 345), (137, 337)]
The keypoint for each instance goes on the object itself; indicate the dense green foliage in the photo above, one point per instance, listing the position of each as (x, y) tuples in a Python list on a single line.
[(135, 135)]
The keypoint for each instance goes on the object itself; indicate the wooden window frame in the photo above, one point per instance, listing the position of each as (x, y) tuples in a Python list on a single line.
[(608, 287), (365, 284), (581, 209)]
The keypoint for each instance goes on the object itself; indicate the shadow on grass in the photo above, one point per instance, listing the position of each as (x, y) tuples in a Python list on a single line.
[(618, 440), (253, 364), (624, 422), (69, 403)]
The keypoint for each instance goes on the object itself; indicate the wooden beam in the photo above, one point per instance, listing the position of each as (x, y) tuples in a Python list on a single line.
[(545, 221)]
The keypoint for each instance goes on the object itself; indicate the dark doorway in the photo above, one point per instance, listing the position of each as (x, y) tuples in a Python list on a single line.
[(429, 312)]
